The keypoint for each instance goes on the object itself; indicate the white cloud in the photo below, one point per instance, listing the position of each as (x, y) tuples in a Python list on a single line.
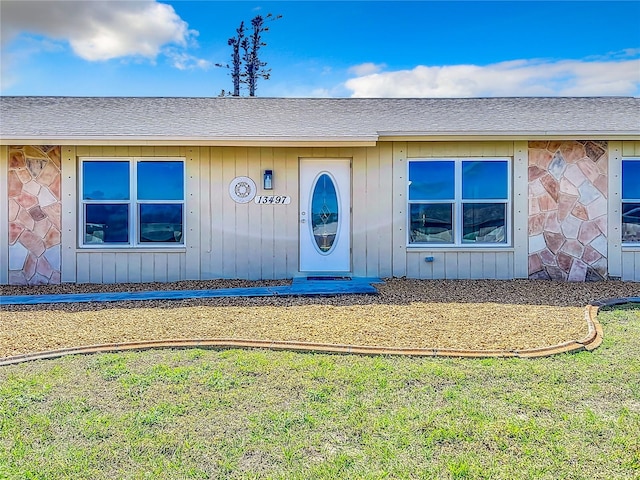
[(620, 54), (184, 61), (99, 30), (366, 69), (320, 93), (512, 78)]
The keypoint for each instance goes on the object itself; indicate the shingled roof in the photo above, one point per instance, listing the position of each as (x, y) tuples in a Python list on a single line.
[(231, 121)]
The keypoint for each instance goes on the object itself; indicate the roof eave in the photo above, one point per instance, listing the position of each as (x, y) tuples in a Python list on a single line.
[(366, 141), (363, 141), (492, 136)]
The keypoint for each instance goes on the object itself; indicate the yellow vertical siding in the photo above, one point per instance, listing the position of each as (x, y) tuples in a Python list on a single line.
[(631, 266), (361, 186), (630, 148), (284, 180), (241, 230), (212, 225), (69, 234), (629, 258), (228, 220), (520, 207), (229, 240), (204, 212), (292, 227), (382, 220), (614, 217), (265, 258), (192, 213), (398, 252), (134, 261), (457, 264)]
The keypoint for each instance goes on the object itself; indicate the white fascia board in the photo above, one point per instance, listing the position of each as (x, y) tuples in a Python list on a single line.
[(528, 135), (368, 141)]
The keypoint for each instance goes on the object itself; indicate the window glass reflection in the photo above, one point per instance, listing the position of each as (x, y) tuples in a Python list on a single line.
[(105, 180), (631, 179), (160, 223), (160, 180), (431, 180), (484, 180), (631, 222), (483, 223), (431, 223), (106, 223)]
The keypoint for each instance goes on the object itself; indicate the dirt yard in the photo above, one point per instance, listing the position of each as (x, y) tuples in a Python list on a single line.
[(461, 314)]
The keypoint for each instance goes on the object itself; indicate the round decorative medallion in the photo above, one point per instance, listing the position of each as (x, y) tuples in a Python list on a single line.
[(242, 189)]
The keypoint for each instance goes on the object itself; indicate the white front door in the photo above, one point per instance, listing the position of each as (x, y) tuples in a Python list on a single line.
[(325, 215)]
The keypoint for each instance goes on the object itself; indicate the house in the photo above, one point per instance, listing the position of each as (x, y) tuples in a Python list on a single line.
[(107, 190)]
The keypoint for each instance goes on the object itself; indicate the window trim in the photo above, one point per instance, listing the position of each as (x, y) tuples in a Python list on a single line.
[(458, 202), (133, 204), (633, 245)]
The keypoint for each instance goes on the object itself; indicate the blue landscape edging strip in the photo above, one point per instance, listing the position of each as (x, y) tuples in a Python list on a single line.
[(298, 288)]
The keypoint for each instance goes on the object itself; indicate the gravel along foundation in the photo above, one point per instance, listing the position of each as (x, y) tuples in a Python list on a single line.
[(418, 317)]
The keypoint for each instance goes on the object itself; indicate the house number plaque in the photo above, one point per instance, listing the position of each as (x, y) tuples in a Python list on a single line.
[(272, 199)]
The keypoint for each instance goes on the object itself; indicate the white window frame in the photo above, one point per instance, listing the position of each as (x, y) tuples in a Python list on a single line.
[(133, 205), (458, 202), (627, 200)]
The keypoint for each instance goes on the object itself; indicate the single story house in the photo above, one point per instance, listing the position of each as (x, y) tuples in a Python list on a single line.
[(105, 190)]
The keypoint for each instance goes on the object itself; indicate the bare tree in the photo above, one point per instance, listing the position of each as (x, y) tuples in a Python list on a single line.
[(235, 67), (254, 68)]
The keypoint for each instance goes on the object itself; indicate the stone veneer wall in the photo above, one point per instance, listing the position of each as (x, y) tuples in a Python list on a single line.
[(35, 215), (568, 210)]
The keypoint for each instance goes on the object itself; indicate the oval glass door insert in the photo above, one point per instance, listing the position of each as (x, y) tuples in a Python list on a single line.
[(324, 213)]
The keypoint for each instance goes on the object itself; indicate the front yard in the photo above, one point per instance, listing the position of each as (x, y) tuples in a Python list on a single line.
[(263, 414)]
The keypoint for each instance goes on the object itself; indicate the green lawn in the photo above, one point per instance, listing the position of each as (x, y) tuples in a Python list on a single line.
[(263, 414)]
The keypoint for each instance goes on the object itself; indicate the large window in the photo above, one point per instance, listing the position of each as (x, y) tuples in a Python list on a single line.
[(459, 201), (631, 201), (131, 201)]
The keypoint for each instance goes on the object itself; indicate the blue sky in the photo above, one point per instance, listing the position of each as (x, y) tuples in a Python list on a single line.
[(323, 49)]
